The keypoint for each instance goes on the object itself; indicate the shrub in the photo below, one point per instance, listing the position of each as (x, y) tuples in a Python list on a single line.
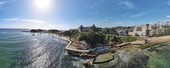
[(128, 39)]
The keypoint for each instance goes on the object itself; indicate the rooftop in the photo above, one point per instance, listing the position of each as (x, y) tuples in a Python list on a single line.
[(139, 28)]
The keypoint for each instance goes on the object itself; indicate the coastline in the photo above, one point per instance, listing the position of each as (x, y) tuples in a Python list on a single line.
[(129, 48), (62, 37), (76, 52), (65, 39), (152, 42)]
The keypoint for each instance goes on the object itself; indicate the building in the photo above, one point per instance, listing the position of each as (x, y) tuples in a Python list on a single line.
[(109, 31), (122, 32), (141, 30), (84, 29)]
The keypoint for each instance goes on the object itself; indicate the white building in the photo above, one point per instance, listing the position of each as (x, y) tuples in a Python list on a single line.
[(141, 30), (122, 32)]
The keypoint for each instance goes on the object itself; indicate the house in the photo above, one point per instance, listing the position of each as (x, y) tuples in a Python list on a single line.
[(122, 32), (109, 31), (84, 29), (141, 30)]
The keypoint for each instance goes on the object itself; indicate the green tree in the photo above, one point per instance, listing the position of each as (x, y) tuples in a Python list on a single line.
[(128, 39), (158, 29), (53, 31), (93, 28), (147, 30), (155, 29), (107, 30), (168, 25), (81, 28), (163, 29), (127, 32), (168, 28)]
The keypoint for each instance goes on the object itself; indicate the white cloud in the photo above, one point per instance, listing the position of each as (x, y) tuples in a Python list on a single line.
[(2, 3), (33, 21), (25, 20), (11, 19), (167, 20), (127, 4), (168, 3), (168, 16), (137, 15), (96, 4)]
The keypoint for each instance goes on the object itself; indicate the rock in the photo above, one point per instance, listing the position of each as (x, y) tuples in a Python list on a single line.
[(87, 64)]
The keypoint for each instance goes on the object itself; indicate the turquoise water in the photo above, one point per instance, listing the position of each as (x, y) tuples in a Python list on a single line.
[(22, 50)]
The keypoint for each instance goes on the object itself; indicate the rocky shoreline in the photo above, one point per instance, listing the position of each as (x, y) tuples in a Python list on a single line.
[(75, 52), (86, 54)]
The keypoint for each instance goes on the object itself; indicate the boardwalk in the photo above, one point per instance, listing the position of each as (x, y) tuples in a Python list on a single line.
[(75, 50), (68, 45), (123, 44), (132, 43)]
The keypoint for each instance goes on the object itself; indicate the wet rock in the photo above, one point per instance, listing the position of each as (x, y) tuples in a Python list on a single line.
[(87, 64)]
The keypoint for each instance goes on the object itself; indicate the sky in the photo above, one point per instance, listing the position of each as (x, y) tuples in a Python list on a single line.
[(70, 14)]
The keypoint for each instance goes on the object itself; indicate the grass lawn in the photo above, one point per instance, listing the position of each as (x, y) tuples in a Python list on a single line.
[(103, 58)]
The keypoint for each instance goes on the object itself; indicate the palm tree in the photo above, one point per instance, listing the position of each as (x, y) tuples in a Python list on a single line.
[(158, 28), (155, 29), (168, 28), (168, 25), (127, 31), (163, 28), (147, 30)]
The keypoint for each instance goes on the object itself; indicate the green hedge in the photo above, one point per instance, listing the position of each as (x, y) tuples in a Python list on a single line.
[(92, 38), (128, 39)]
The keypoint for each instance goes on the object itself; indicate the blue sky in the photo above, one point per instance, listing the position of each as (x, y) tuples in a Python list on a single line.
[(70, 14)]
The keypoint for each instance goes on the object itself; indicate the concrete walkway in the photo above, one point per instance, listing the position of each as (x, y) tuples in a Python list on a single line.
[(69, 44), (75, 50)]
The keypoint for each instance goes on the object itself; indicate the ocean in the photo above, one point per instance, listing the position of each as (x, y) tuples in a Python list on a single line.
[(23, 50)]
